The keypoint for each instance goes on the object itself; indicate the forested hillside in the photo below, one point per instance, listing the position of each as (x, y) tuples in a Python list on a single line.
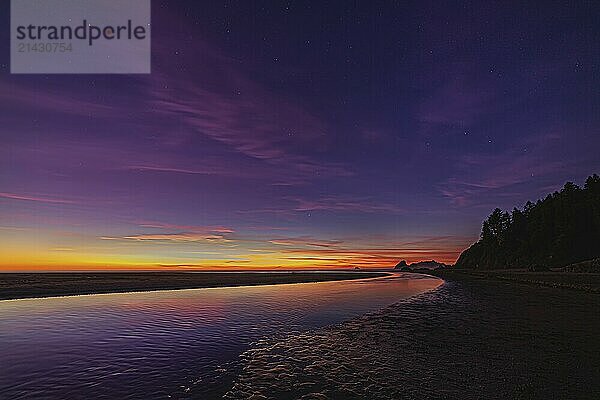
[(561, 229)]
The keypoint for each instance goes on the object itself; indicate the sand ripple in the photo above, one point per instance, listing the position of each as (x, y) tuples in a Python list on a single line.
[(467, 341)]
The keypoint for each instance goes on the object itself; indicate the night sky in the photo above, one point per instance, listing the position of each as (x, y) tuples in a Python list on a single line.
[(299, 134)]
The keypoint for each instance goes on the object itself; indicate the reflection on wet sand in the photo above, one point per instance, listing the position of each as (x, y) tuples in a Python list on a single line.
[(182, 343)]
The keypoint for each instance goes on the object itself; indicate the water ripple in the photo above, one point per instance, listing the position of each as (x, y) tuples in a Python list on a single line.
[(168, 344)]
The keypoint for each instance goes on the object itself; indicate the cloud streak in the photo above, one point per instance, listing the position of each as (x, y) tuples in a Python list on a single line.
[(218, 101), (171, 237), (481, 179), (36, 198)]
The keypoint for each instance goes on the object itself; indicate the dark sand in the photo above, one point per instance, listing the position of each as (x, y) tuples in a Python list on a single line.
[(32, 285), (469, 339), (589, 282)]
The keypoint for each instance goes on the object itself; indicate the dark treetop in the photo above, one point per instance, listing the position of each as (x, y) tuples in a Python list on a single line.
[(563, 228)]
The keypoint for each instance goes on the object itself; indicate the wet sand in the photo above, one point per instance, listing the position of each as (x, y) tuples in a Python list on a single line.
[(468, 339), (589, 282), (34, 285)]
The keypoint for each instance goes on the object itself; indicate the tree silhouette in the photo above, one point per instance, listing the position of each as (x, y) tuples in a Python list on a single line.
[(561, 229)]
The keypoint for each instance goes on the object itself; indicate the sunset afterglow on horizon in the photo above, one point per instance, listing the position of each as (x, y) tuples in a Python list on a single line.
[(209, 248)]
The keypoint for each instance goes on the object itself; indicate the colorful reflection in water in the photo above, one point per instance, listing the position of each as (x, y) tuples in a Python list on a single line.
[(167, 344)]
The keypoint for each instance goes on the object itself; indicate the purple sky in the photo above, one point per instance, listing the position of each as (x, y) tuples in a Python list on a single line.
[(299, 135)]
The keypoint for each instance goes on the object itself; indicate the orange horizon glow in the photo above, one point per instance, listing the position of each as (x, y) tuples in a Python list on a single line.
[(279, 261), (165, 247)]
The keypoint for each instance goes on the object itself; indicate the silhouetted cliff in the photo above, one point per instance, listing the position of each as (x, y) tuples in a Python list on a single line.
[(403, 266)]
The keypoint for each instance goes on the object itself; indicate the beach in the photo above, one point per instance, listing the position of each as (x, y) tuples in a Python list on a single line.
[(468, 339), (465, 337), (588, 282)]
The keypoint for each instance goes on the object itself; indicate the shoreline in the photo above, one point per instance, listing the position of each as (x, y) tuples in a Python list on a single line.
[(14, 286), (479, 332), (582, 282)]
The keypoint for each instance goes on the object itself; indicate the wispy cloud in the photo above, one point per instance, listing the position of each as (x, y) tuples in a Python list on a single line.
[(53, 101), (370, 257), (207, 166), (177, 233), (220, 102), (157, 168), (189, 228), (388, 251), (305, 241), (334, 204), (345, 204), (37, 198), (171, 237), (13, 228), (482, 179)]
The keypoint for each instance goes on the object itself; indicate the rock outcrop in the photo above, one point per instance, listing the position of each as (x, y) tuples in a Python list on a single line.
[(421, 265)]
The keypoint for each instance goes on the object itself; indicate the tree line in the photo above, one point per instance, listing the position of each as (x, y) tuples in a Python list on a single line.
[(561, 229)]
